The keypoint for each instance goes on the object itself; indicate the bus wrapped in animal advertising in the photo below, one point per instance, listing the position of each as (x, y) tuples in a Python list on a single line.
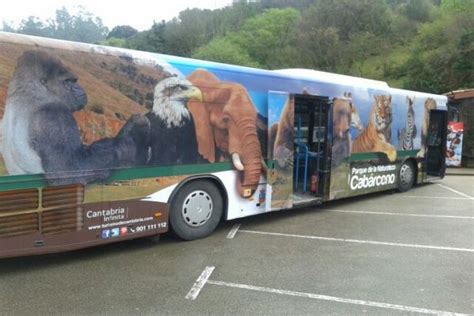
[(102, 144)]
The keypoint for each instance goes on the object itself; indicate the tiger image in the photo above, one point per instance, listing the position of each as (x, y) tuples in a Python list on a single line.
[(430, 104), (408, 133), (374, 137)]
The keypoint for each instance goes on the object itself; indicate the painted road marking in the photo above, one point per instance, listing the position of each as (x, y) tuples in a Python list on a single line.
[(434, 197), (200, 282), (357, 241), (233, 231), (403, 308), (401, 214), (456, 191)]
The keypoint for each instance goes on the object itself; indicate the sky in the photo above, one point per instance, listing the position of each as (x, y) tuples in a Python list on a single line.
[(139, 14)]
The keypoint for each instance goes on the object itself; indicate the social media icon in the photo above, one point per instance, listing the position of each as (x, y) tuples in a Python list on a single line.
[(105, 233), (115, 232), (123, 231)]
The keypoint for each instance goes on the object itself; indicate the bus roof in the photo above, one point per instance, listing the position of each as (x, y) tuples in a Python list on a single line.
[(316, 75)]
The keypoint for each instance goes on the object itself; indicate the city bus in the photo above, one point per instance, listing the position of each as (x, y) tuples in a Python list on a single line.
[(101, 144)]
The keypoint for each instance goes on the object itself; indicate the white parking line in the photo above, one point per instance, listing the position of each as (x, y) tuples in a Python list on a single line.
[(332, 298), (434, 197), (357, 241), (401, 214), (233, 231), (199, 284), (456, 191)]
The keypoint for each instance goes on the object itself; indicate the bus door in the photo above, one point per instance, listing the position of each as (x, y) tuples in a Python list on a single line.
[(436, 144), (280, 150), (312, 152), (298, 171)]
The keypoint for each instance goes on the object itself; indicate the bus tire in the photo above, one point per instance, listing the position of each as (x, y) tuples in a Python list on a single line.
[(196, 210), (406, 176)]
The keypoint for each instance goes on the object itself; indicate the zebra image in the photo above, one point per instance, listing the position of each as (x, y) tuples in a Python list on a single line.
[(408, 133)]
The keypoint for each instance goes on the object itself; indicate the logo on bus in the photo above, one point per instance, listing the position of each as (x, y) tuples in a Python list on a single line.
[(371, 177)]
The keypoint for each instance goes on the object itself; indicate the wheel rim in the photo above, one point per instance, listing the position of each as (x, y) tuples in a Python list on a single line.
[(197, 208), (406, 175)]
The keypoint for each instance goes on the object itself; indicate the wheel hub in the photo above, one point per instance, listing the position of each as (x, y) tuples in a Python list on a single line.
[(406, 174), (197, 208)]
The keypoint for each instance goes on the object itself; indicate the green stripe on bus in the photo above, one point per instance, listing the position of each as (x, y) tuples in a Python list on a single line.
[(37, 181), (153, 172), (382, 156)]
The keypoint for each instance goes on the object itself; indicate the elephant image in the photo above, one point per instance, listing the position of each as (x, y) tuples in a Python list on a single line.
[(226, 128)]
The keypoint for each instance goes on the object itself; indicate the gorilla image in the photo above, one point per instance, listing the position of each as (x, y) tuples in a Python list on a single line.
[(40, 135)]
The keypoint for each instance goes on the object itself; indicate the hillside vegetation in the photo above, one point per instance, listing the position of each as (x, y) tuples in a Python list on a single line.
[(425, 45)]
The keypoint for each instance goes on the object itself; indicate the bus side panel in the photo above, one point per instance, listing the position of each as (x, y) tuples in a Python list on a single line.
[(373, 132), (122, 125), (64, 228), (92, 115), (236, 206)]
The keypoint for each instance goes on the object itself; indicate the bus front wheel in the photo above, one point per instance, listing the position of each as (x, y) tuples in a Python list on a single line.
[(196, 210), (406, 176)]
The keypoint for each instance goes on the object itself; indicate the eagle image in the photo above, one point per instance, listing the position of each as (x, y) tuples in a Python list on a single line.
[(173, 135)]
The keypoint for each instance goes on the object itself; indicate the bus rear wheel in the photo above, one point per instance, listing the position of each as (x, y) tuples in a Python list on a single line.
[(196, 210), (406, 176)]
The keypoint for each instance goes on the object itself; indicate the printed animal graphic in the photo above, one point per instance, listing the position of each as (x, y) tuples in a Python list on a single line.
[(171, 120), (283, 148), (342, 121), (356, 122), (408, 133), (374, 137), (272, 132), (40, 134), (430, 104), (226, 126), (1, 136)]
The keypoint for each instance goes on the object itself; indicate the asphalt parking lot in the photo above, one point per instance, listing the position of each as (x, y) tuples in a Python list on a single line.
[(386, 253)]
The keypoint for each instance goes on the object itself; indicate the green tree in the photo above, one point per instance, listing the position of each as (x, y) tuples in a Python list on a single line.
[(265, 36), (419, 10), (7, 27), (265, 39), (35, 26), (340, 36), (320, 48), (116, 42), (82, 26), (122, 31), (362, 47), (226, 51), (442, 55), (192, 29), (350, 17), (152, 40)]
